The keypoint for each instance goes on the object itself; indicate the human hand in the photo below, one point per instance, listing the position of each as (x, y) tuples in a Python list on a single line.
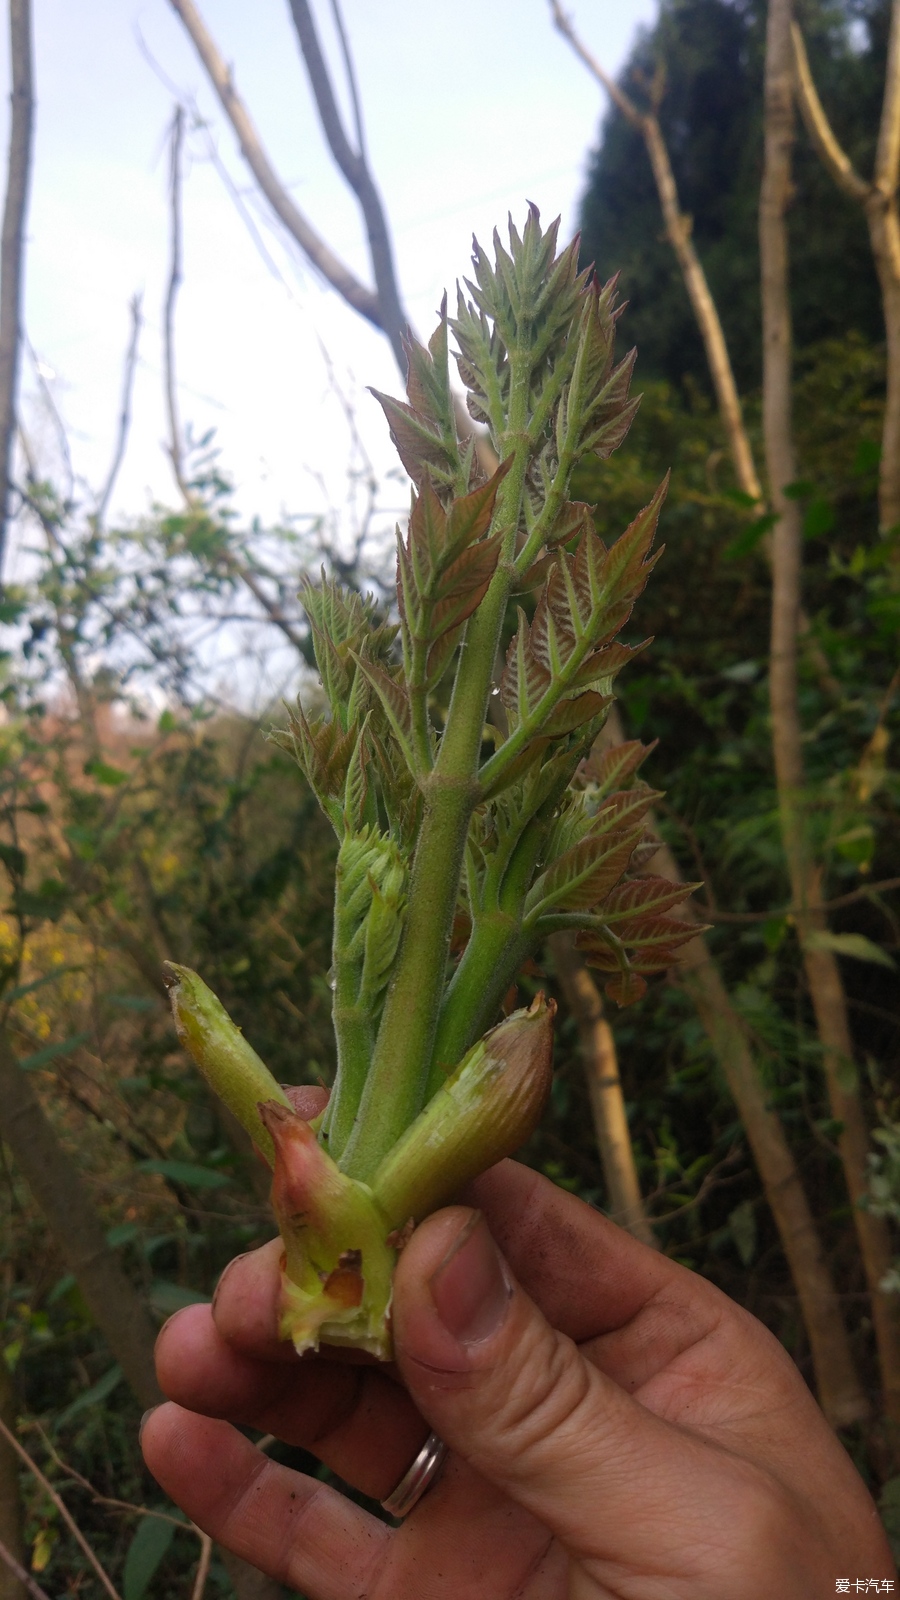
[(618, 1428)]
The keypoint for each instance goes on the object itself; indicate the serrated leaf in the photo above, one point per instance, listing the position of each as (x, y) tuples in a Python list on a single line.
[(625, 987), (644, 895), (647, 937), (587, 872), (606, 663), (571, 521), (463, 587), (419, 445), (323, 752), (571, 714), (356, 784), (611, 768), (395, 703)]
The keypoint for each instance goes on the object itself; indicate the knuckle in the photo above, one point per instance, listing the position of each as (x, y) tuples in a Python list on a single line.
[(543, 1398)]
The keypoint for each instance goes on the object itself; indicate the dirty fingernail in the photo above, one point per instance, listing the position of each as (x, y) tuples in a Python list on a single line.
[(471, 1288)]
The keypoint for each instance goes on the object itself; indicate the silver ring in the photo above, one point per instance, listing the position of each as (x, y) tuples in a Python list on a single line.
[(418, 1479)]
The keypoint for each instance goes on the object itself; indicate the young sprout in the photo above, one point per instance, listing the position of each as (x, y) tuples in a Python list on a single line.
[(461, 845)]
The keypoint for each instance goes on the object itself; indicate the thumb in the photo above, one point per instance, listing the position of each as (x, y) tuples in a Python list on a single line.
[(516, 1398)]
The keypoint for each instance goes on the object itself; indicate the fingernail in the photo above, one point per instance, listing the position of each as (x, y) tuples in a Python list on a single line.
[(173, 1318), (144, 1419), (224, 1275), (471, 1288)]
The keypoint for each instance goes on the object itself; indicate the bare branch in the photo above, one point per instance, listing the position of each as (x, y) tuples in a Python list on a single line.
[(836, 161), (355, 169), (360, 298), (28, 1582), (12, 246), (176, 453), (63, 1510), (350, 70), (627, 107), (203, 1568), (125, 412)]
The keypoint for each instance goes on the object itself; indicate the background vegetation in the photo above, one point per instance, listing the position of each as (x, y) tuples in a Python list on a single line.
[(140, 818)]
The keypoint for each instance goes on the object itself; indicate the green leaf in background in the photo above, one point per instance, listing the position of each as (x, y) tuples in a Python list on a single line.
[(742, 1222), (889, 1506), (50, 1052), (186, 1172), (13, 859), (110, 776), (819, 519), (47, 901), (93, 1396), (147, 1549), (123, 1233), (22, 989), (169, 1297), (851, 944), (749, 537)]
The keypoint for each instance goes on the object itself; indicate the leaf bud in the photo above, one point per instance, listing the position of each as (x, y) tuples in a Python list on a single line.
[(485, 1110), (229, 1064), (337, 1264)]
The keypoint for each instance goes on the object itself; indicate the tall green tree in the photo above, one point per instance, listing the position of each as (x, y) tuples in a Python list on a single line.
[(708, 55)]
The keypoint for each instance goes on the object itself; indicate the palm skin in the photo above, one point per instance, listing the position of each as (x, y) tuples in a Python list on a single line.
[(639, 1437)]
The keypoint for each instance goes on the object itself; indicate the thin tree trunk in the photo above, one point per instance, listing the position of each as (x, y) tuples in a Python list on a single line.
[(879, 200), (679, 233), (884, 231), (820, 964), (601, 1069), (12, 247), (59, 1190), (11, 1532), (839, 1390)]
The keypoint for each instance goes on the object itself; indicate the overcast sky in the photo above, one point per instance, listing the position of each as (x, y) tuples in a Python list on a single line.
[(472, 107)]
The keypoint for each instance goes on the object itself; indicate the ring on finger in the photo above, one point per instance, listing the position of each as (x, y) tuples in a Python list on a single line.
[(418, 1479)]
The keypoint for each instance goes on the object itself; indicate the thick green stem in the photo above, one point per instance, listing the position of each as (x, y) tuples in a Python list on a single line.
[(393, 1093), (395, 1088), (489, 963), (354, 1036)]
